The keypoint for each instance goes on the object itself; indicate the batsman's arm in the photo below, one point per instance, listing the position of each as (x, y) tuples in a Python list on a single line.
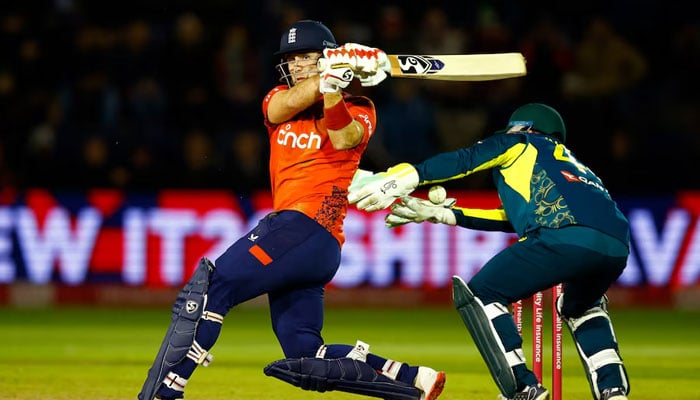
[(285, 104), (344, 130)]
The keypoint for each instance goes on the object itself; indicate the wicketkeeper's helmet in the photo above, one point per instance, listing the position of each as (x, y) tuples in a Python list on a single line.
[(303, 36), (539, 117)]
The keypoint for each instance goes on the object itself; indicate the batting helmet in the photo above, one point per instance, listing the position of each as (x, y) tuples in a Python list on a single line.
[(303, 36), (306, 35), (539, 117)]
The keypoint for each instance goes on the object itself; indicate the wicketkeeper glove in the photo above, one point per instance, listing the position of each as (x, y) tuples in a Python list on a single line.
[(370, 64), (378, 191), (413, 209), (333, 76)]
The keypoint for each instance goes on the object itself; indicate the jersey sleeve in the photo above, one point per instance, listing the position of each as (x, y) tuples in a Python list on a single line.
[(362, 110), (494, 151), (485, 220), (268, 96)]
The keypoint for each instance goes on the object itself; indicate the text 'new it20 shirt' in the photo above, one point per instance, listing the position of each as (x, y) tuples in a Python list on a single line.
[(306, 173)]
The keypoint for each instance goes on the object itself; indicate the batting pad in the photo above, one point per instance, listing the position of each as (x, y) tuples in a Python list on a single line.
[(179, 338), (485, 337), (343, 374)]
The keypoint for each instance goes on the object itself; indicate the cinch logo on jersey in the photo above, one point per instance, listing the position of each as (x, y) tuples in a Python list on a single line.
[(286, 137), (365, 118), (574, 178)]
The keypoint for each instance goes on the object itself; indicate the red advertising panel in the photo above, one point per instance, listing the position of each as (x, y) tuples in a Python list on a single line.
[(155, 240)]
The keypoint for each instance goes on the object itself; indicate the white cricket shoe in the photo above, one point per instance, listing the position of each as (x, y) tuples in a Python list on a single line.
[(537, 392), (430, 382), (359, 352), (616, 393)]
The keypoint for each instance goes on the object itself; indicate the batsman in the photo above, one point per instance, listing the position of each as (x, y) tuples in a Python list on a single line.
[(317, 133), (570, 231)]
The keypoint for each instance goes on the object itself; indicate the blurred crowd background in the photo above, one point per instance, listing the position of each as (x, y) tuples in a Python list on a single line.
[(167, 93)]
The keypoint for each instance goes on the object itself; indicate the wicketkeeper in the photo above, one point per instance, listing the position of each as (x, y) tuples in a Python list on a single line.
[(570, 231)]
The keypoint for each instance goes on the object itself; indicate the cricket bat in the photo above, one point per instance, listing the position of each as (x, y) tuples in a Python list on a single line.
[(457, 67)]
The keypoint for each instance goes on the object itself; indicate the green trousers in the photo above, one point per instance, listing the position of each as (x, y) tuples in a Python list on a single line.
[(585, 260)]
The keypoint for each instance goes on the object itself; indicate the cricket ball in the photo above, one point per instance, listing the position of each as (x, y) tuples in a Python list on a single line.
[(437, 194)]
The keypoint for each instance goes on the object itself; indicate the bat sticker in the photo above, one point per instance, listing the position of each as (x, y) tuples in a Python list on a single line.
[(419, 65)]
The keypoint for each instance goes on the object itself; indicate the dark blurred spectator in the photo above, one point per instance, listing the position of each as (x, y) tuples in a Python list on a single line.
[(406, 127), (238, 69), (137, 54), (138, 70), (92, 105), (91, 98), (7, 175), (549, 54), (355, 31), (392, 33), (677, 105), (491, 34), (682, 66), (624, 172), (602, 88), (199, 162), (246, 162), (190, 73), (10, 131), (438, 35), (142, 78), (238, 78), (605, 63), (95, 167), (42, 161), (146, 171)]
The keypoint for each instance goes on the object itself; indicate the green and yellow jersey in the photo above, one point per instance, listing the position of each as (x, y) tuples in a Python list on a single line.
[(539, 181)]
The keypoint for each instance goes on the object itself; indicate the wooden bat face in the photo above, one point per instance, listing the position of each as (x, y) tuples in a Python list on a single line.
[(419, 65), (457, 67)]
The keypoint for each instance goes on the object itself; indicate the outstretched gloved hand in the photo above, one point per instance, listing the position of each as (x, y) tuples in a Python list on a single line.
[(413, 209), (378, 191)]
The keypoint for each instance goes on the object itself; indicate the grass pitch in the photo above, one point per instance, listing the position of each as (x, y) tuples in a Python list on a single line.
[(88, 353)]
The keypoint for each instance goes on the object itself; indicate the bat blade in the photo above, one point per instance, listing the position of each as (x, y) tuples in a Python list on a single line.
[(458, 67)]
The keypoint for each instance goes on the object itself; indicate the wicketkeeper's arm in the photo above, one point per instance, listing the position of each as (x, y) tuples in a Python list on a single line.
[(483, 220)]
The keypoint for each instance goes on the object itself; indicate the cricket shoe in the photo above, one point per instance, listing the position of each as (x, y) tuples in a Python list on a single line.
[(430, 383), (529, 393), (359, 352), (616, 393)]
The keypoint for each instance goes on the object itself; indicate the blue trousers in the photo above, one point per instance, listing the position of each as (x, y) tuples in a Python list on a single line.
[(290, 257)]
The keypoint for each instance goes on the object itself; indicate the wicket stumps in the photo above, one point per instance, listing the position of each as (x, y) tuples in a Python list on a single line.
[(538, 339)]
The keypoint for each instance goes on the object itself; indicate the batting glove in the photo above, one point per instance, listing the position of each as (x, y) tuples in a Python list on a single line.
[(373, 79), (370, 64), (413, 209), (333, 76), (378, 191)]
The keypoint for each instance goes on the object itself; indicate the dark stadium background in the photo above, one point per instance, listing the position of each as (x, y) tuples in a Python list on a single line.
[(153, 94), (141, 97)]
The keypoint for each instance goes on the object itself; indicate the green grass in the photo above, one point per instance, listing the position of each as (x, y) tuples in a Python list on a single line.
[(85, 353)]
